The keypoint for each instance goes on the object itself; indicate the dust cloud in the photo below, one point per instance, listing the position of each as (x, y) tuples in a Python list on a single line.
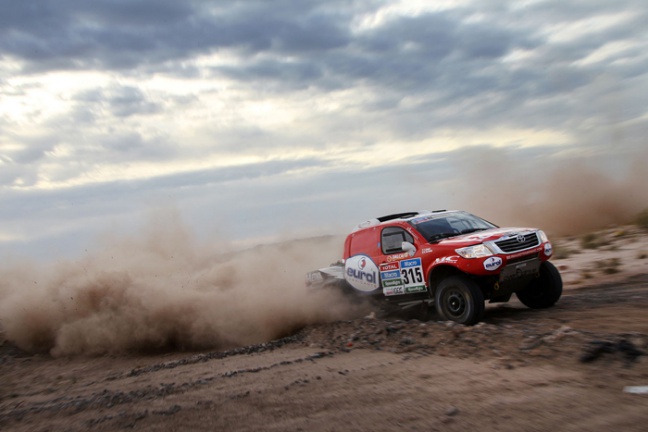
[(562, 195), (161, 290)]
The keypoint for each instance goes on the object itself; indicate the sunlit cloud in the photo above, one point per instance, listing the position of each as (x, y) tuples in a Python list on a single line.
[(103, 104)]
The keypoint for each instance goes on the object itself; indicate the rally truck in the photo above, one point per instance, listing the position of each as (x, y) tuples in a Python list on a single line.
[(451, 260)]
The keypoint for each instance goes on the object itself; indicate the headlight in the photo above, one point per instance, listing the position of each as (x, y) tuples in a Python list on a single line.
[(477, 251), (543, 236)]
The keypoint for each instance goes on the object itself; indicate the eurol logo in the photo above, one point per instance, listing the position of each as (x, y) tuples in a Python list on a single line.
[(548, 250), (492, 263), (362, 273), (362, 264)]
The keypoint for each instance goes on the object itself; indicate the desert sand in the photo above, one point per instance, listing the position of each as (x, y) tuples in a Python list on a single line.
[(571, 368)]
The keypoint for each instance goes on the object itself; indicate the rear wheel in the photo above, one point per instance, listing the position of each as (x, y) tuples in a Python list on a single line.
[(459, 299), (545, 290)]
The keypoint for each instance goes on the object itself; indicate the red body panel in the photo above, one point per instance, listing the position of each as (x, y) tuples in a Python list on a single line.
[(367, 242)]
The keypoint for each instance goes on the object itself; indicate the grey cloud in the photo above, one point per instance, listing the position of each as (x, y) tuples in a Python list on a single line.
[(119, 34), (119, 101), (127, 101), (442, 57), (13, 174), (90, 135), (132, 147), (431, 36), (9, 172), (281, 73), (97, 197), (84, 153), (404, 53), (26, 150), (558, 11), (34, 151)]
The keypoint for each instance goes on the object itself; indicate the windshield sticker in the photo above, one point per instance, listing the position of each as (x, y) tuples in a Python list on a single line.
[(421, 219), (402, 277)]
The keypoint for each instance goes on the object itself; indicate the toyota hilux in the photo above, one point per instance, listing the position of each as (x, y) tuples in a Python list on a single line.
[(451, 260)]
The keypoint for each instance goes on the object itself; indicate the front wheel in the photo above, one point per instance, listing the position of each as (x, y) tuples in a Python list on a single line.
[(545, 290), (459, 299)]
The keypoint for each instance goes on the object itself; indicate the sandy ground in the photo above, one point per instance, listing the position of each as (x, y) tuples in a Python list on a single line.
[(564, 368)]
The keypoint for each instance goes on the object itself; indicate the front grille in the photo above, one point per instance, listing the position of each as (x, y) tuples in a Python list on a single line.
[(518, 243)]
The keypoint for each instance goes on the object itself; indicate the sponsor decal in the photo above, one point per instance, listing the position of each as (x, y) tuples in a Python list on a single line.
[(397, 290), (392, 283), (528, 252), (410, 263), (446, 260), (361, 273), (548, 250), (415, 289), (403, 290), (492, 263), (426, 251), (390, 274), (403, 277), (389, 266), (397, 257)]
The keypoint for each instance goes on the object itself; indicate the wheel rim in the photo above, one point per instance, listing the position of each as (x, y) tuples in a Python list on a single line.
[(455, 303)]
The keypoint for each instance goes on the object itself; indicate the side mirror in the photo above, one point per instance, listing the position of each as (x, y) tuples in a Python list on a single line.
[(409, 248)]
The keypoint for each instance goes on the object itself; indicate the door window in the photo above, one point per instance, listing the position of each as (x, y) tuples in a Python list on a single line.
[(392, 239)]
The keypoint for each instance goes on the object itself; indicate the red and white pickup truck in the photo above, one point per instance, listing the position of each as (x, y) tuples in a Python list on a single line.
[(451, 259)]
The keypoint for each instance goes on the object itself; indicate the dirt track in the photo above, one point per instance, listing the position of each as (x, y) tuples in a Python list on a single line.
[(519, 370)]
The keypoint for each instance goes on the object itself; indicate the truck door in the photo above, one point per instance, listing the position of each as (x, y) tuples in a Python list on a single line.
[(401, 271)]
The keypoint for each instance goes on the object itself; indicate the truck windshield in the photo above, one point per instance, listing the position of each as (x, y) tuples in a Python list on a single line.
[(435, 227)]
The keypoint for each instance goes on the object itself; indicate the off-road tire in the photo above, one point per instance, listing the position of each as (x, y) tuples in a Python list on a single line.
[(459, 299), (543, 291)]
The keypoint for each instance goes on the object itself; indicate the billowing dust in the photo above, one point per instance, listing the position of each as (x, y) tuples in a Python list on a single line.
[(564, 196), (162, 290)]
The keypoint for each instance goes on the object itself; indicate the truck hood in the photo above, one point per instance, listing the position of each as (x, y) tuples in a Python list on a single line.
[(483, 236)]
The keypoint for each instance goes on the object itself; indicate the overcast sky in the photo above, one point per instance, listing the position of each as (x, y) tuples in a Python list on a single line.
[(254, 120)]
